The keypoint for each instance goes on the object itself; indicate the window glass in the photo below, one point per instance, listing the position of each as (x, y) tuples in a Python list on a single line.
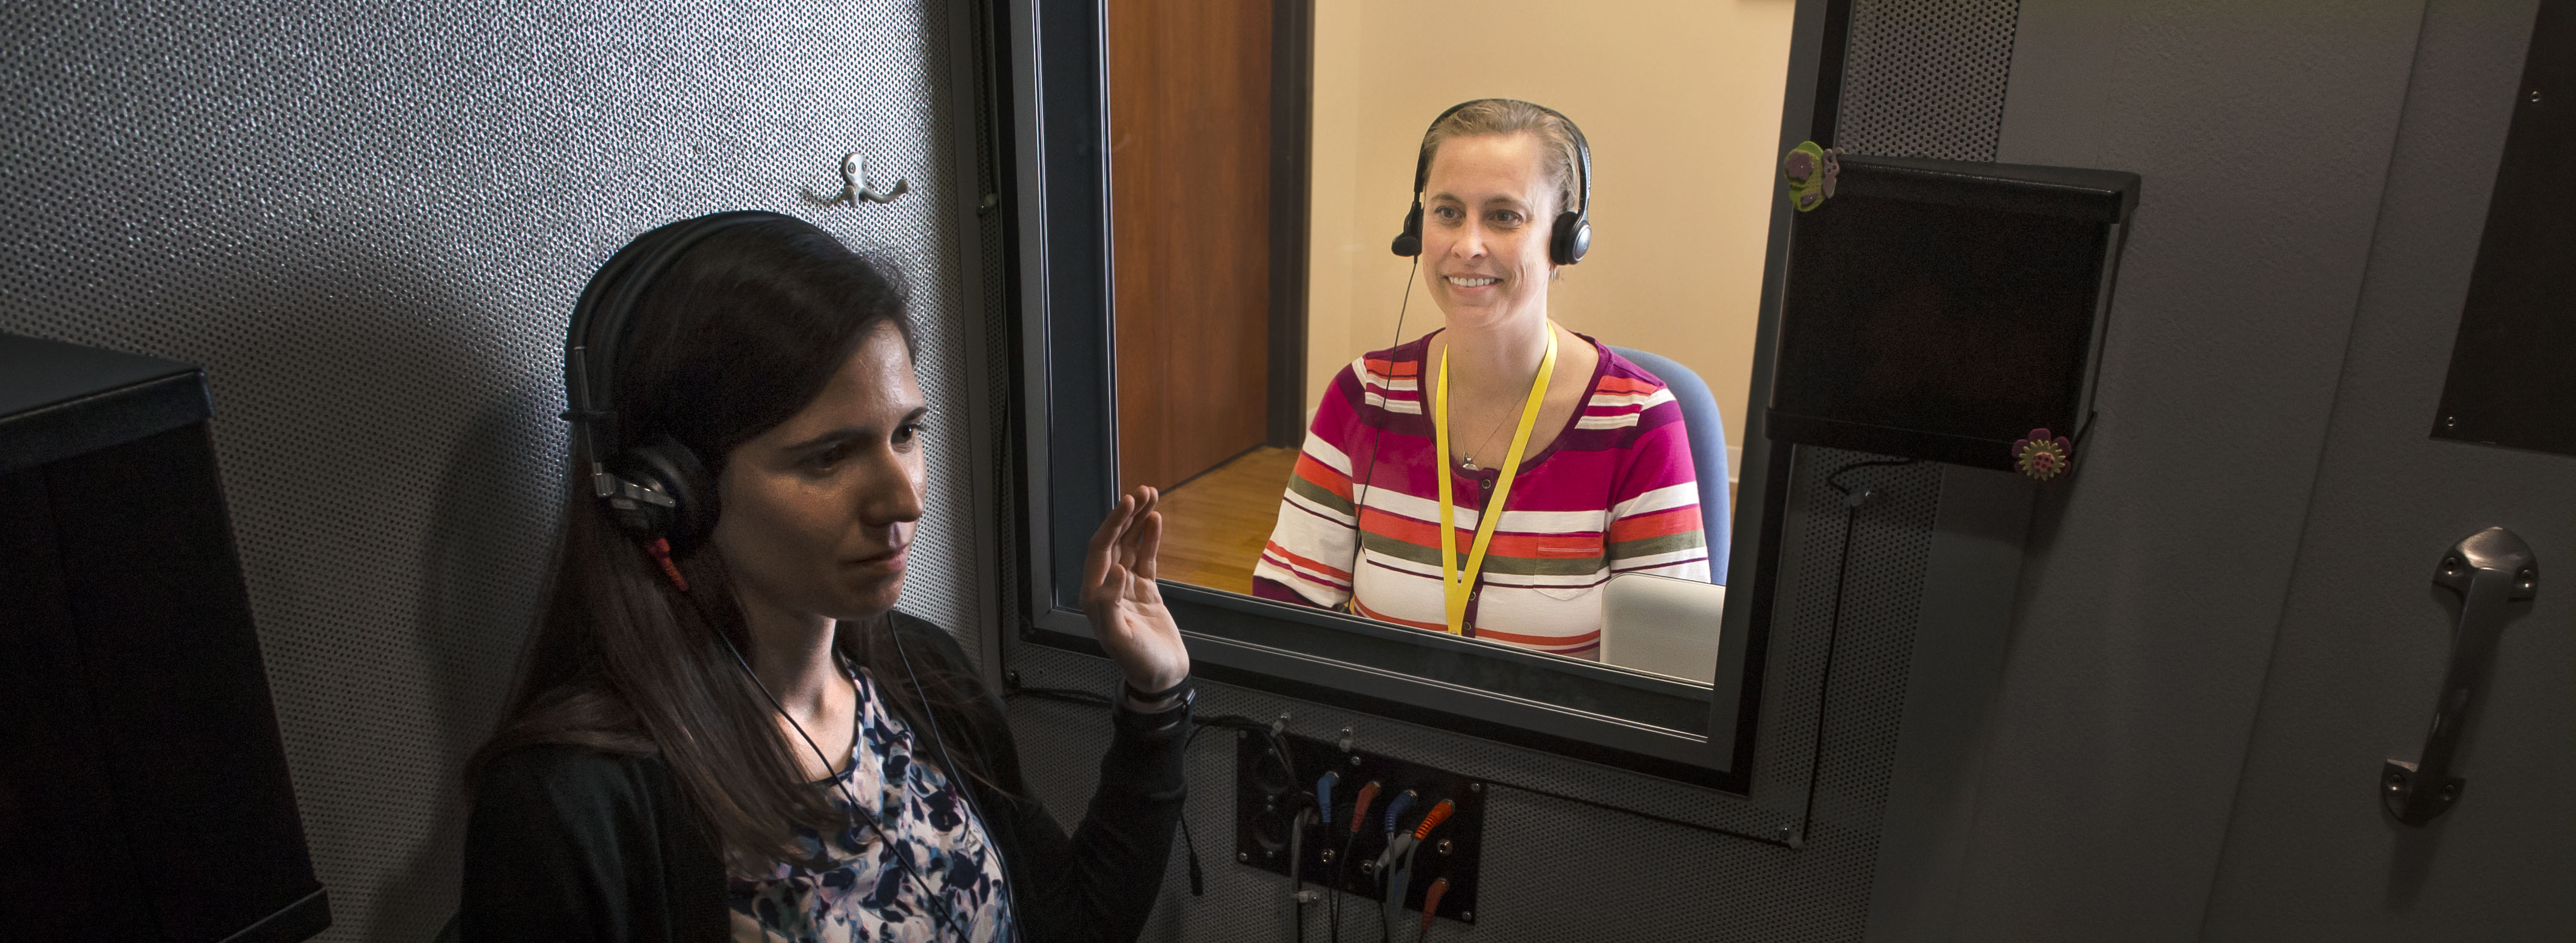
[(1279, 366)]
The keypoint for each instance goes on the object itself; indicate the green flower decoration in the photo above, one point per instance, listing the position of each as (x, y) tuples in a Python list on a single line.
[(1811, 171)]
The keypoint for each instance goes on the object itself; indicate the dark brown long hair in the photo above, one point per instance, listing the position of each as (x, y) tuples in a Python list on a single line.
[(739, 334)]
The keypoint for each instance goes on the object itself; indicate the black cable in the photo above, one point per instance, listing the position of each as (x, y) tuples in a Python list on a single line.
[(1833, 481), (1067, 695), (1278, 745), (1380, 880), (938, 905), (1648, 816), (1834, 624), (1339, 860), (1189, 844), (957, 775), (1360, 494), (1198, 884), (1189, 841)]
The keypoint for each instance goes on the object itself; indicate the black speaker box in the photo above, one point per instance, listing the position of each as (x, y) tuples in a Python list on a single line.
[(1942, 310), (143, 786)]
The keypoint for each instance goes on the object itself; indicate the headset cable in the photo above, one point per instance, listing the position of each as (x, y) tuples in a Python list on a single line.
[(1359, 493)]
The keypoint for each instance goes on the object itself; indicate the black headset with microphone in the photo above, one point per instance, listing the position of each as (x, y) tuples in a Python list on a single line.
[(658, 489), (1572, 235)]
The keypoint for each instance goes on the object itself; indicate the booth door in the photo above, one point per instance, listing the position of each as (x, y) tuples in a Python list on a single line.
[(2364, 642)]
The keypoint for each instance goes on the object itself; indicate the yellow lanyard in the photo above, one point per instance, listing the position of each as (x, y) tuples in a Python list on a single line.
[(1455, 585)]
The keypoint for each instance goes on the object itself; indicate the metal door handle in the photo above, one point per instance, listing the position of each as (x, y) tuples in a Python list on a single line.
[(2489, 569)]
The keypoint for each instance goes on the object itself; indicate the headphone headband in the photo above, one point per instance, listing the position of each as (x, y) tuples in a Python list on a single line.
[(652, 488), (598, 325), (1582, 150)]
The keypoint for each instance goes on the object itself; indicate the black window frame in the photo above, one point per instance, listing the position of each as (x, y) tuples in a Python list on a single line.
[(1049, 114)]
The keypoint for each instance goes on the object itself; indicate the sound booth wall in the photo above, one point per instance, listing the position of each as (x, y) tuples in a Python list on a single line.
[(369, 222)]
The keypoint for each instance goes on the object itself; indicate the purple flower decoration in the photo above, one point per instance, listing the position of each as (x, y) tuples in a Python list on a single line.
[(2042, 456)]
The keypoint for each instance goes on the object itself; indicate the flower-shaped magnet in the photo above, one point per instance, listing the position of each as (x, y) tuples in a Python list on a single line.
[(2042, 456)]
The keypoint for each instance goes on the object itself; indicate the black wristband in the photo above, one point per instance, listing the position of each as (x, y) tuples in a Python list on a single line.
[(1143, 697)]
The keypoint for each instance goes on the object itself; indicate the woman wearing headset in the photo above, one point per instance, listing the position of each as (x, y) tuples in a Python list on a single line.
[(724, 729), (1582, 451)]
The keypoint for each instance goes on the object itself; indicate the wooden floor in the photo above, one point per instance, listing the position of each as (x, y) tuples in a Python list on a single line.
[(1215, 524)]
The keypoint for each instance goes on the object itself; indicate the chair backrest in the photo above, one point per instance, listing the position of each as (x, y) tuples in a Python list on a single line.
[(1708, 450)]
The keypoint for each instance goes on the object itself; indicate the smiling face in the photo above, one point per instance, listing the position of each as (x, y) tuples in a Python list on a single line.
[(1487, 210), (818, 512)]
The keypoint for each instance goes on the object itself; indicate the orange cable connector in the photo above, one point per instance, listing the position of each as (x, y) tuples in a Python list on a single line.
[(1359, 806), (1438, 814)]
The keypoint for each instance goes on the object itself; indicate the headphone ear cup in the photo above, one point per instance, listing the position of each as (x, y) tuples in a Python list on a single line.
[(672, 468), (1571, 238), (1409, 242)]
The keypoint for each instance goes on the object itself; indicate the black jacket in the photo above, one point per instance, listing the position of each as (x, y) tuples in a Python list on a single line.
[(569, 844)]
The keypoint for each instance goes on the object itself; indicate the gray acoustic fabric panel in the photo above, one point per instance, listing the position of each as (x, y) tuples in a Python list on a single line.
[(2310, 850), (2160, 571), (369, 223)]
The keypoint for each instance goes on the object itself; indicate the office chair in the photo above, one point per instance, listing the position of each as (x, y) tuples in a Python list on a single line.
[(1708, 450)]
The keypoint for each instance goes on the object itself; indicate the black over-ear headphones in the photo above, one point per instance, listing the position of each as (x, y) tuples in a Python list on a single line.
[(656, 488), (1572, 235)]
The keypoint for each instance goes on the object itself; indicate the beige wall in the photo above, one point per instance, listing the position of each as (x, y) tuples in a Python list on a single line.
[(1680, 100)]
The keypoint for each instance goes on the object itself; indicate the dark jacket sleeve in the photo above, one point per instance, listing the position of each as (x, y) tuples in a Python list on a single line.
[(565, 843), (1099, 883)]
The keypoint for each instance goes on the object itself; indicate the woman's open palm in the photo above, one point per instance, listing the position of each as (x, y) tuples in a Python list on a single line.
[(1120, 596)]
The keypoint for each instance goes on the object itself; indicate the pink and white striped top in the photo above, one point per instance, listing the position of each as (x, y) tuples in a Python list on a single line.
[(1614, 493)]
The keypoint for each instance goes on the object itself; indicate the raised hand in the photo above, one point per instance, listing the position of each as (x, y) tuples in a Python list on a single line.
[(1120, 596)]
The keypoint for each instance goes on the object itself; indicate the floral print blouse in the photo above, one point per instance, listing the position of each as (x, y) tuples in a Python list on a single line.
[(863, 894)]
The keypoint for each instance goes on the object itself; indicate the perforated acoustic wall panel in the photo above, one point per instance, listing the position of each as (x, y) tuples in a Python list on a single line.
[(369, 222), (1925, 78)]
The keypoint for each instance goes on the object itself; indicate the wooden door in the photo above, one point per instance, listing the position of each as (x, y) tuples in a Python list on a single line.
[(1189, 131)]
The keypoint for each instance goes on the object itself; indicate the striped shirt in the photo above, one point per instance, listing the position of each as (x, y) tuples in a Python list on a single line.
[(1615, 493)]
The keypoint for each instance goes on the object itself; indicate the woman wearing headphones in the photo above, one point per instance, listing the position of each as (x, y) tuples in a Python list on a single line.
[(724, 729), (1582, 451)]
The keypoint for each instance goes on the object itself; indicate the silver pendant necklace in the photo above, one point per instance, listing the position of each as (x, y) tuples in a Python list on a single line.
[(1468, 461)]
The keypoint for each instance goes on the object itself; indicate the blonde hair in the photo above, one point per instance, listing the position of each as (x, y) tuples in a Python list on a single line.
[(1507, 116)]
